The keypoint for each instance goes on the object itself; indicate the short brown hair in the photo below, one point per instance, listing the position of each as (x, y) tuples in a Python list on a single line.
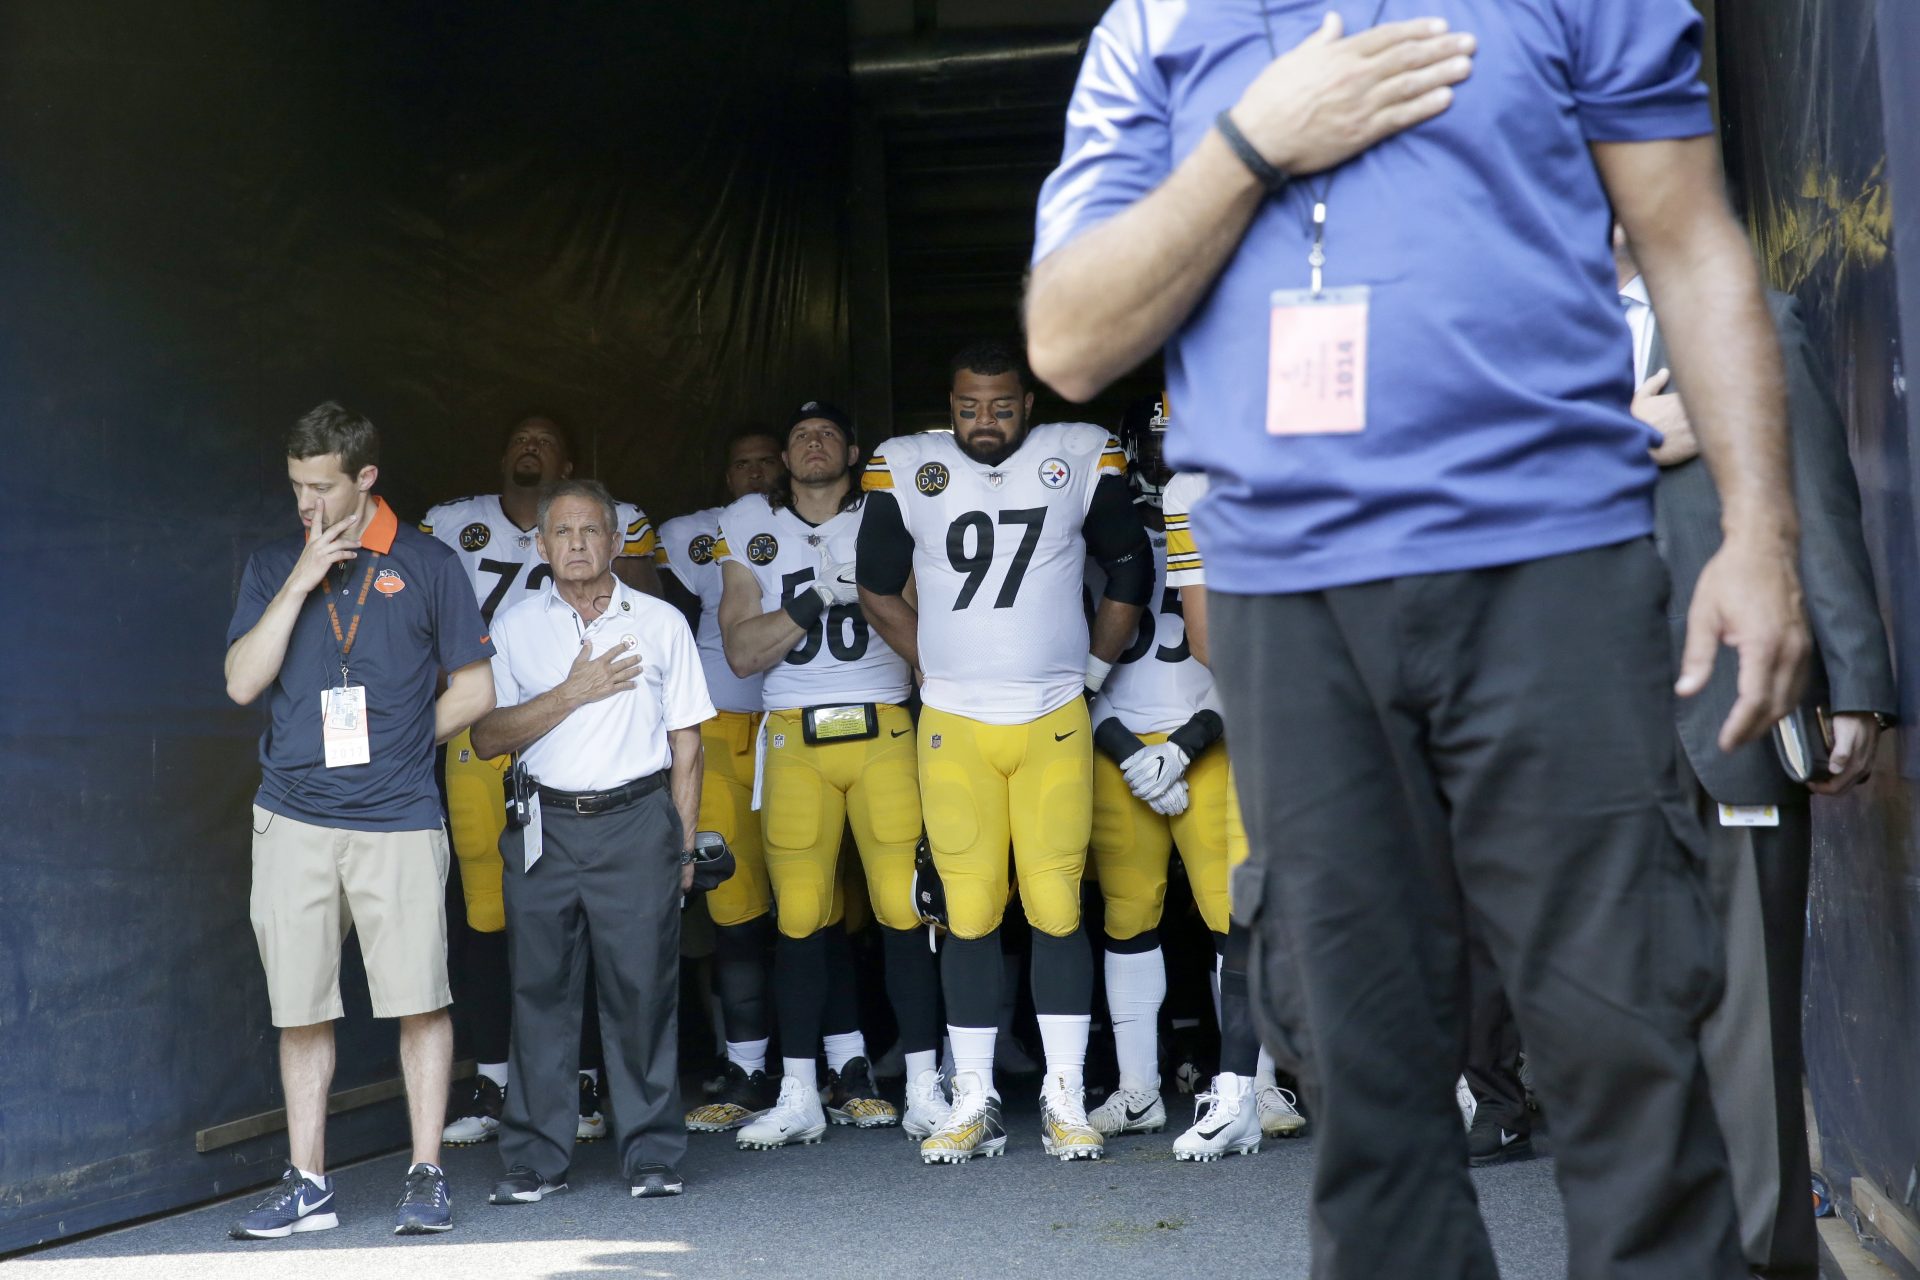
[(334, 428)]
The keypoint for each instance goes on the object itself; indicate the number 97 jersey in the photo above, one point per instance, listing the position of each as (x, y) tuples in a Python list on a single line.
[(998, 558)]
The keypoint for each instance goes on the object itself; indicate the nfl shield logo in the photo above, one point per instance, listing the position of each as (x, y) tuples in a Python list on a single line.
[(1054, 473), (934, 742)]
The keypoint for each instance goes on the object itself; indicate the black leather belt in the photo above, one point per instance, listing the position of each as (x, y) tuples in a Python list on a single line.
[(587, 803)]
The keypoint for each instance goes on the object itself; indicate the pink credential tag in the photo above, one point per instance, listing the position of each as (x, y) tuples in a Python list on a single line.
[(1317, 362)]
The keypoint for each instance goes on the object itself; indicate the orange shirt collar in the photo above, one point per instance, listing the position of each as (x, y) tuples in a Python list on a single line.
[(378, 535)]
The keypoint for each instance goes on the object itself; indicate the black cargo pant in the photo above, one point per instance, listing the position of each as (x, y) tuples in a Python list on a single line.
[(606, 884), (1492, 747)]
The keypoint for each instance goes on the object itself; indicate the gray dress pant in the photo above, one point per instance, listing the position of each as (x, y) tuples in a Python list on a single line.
[(606, 884), (1493, 747), (1752, 1041)]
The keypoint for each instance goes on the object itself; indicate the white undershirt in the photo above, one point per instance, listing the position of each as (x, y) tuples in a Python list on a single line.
[(1639, 309)]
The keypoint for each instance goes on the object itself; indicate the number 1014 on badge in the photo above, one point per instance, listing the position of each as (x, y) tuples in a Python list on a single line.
[(1317, 362)]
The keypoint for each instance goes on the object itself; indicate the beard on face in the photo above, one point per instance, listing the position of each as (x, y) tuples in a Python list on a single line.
[(992, 450), (527, 477)]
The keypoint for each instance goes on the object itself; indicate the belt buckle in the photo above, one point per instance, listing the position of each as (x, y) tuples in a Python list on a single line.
[(582, 806)]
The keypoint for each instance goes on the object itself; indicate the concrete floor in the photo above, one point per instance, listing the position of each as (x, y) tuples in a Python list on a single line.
[(860, 1204)]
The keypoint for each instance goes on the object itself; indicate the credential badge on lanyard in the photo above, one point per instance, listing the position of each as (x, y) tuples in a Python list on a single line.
[(1317, 337), (343, 707)]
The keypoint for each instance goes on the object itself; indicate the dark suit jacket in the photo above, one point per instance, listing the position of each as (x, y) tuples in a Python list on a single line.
[(1851, 670)]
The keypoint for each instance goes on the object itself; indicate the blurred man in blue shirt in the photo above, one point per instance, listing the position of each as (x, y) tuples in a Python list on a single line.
[(1380, 267)]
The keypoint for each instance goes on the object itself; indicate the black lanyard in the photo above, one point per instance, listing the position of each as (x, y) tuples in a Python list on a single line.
[(1315, 223), (345, 640)]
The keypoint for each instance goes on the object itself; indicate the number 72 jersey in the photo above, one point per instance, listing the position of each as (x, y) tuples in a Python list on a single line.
[(998, 558), (499, 556)]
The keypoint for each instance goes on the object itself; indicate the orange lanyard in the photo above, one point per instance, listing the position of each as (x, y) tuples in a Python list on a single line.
[(345, 641)]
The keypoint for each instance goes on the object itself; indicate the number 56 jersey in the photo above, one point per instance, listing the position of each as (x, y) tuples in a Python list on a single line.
[(842, 659), (998, 559)]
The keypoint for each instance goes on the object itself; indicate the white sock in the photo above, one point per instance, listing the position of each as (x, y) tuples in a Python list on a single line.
[(593, 1074), (748, 1055), (320, 1178), (921, 1062), (973, 1051), (1263, 1077), (495, 1071), (844, 1048), (1064, 1037), (805, 1070), (1136, 986), (947, 1065)]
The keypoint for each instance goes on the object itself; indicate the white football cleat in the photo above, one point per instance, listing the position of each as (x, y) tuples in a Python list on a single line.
[(1279, 1111), (1129, 1111), (1229, 1124), (972, 1127), (1064, 1130), (796, 1117), (927, 1106)]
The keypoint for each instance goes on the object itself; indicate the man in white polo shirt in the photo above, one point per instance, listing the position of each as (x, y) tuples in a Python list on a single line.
[(599, 691)]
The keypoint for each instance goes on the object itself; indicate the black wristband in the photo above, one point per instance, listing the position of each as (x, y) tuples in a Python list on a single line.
[(1199, 733), (805, 609), (1269, 177), (1113, 738)]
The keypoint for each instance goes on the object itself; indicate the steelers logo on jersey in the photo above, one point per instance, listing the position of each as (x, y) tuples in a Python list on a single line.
[(931, 479), (1054, 473), (475, 536), (763, 548), (700, 550)]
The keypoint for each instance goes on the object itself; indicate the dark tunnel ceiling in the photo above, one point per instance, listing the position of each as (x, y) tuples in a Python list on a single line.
[(968, 99)]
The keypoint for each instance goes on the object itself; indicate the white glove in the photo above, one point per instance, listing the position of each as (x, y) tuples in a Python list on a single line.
[(1172, 802), (1152, 770), (836, 583)]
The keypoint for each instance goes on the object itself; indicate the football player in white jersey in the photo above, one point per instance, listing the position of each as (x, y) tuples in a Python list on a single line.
[(1226, 1121), (493, 534), (995, 524), (1161, 782), (839, 752), (740, 906)]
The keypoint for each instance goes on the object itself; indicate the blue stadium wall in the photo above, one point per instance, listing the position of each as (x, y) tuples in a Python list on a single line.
[(1820, 101), (212, 217)]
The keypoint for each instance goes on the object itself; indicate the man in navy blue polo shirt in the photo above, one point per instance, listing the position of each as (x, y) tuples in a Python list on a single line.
[(1380, 266), (348, 628)]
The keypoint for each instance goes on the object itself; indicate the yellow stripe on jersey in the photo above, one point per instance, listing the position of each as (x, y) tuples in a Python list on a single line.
[(426, 528), (1113, 461), (720, 549), (640, 538), (878, 474), (660, 554), (1183, 553)]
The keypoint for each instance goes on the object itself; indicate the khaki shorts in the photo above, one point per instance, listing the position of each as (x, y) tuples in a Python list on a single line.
[(311, 884)]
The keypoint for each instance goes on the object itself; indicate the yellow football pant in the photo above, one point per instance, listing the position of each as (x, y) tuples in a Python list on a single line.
[(810, 794), (726, 806), (984, 785), (1132, 843), (476, 815)]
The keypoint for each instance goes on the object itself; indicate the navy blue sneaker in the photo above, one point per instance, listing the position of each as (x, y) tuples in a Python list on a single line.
[(293, 1204), (425, 1206)]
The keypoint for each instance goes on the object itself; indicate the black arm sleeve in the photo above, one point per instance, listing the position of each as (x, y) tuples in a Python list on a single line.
[(1118, 541), (883, 559), (1115, 741), (1198, 733)]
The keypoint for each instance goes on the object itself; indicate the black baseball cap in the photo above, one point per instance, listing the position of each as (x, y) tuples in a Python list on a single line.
[(827, 411)]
